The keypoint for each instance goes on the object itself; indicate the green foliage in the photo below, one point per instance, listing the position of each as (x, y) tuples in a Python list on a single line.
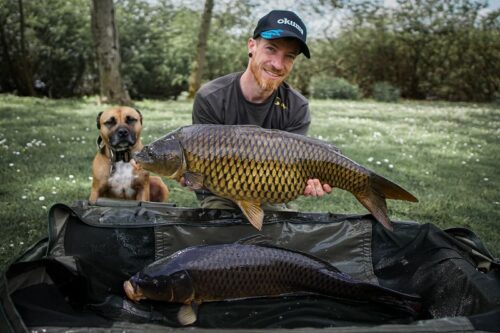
[(58, 46), (496, 98), (429, 49), (227, 42), (324, 87), (385, 92), (301, 75), (65, 56), (158, 44), (156, 47)]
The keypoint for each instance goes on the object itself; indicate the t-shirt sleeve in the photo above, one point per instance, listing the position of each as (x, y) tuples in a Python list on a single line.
[(203, 113), (300, 121)]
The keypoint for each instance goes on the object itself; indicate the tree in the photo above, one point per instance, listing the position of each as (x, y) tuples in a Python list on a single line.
[(157, 48), (16, 54), (157, 44), (428, 48), (201, 49), (439, 41), (26, 70), (105, 34), (65, 58)]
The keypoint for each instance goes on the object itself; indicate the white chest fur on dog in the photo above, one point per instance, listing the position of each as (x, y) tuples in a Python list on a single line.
[(121, 180)]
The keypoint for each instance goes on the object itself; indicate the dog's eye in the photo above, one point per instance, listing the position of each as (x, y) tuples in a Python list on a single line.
[(130, 120), (110, 122)]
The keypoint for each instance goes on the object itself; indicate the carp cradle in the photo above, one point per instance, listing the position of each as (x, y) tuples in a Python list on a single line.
[(72, 280)]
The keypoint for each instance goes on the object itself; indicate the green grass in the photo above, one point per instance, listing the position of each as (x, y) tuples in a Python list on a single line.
[(447, 154)]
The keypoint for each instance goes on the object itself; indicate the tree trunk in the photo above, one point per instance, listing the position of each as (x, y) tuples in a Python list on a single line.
[(201, 49), (105, 35), (9, 80), (23, 65)]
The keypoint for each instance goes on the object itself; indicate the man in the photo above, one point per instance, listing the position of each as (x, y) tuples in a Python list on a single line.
[(259, 95)]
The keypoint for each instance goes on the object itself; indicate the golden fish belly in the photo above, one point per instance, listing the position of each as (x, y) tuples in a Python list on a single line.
[(264, 166)]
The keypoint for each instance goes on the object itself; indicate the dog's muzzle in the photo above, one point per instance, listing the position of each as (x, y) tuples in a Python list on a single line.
[(122, 139)]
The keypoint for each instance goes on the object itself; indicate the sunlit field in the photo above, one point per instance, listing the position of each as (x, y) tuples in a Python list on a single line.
[(446, 154)]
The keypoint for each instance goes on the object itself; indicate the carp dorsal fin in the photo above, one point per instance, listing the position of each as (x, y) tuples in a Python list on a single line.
[(194, 180), (187, 314), (253, 212)]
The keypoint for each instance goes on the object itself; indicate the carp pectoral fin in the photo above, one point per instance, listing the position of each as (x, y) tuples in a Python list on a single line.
[(377, 206), (135, 294), (194, 180), (187, 314), (253, 212)]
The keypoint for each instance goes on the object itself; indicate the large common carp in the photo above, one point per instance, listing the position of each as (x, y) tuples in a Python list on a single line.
[(235, 271), (250, 165)]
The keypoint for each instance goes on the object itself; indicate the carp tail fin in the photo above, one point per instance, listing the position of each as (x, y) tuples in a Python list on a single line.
[(376, 204), (374, 198), (390, 190)]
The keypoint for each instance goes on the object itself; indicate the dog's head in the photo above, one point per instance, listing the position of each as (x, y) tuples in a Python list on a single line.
[(120, 127)]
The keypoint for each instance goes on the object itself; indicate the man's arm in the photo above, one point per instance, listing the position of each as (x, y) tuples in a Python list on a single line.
[(301, 120), (203, 113)]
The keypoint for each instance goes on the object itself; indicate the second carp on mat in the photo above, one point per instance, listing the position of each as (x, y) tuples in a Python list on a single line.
[(234, 271)]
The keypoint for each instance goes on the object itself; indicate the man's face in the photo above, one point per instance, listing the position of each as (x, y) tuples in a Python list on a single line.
[(272, 60)]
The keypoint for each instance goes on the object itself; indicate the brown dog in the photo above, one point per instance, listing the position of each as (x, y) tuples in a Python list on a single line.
[(114, 174)]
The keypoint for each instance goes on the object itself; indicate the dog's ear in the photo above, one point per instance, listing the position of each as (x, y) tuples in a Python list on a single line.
[(140, 114), (99, 120)]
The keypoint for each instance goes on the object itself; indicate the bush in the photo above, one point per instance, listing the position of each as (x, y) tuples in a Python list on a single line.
[(385, 92), (496, 98), (334, 88)]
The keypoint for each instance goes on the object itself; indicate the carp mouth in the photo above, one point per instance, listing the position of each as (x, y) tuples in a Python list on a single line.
[(142, 157), (164, 159), (135, 294)]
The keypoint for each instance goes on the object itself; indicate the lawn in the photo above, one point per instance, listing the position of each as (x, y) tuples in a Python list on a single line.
[(446, 154)]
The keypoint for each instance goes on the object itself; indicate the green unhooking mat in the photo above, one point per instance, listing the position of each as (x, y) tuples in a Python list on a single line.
[(73, 279)]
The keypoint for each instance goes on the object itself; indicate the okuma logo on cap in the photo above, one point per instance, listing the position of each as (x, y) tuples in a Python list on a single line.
[(290, 22)]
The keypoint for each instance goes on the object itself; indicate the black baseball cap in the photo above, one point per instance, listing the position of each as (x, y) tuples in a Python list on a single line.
[(280, 24)]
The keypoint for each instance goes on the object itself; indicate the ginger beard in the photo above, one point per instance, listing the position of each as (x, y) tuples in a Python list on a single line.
[(266, 83)]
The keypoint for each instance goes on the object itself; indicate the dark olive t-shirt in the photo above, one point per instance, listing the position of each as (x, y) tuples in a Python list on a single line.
[(221, 101)]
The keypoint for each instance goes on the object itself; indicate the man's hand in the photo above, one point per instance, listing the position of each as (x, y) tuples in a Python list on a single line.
[(182, 182), (315, 189), (135, 165)]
